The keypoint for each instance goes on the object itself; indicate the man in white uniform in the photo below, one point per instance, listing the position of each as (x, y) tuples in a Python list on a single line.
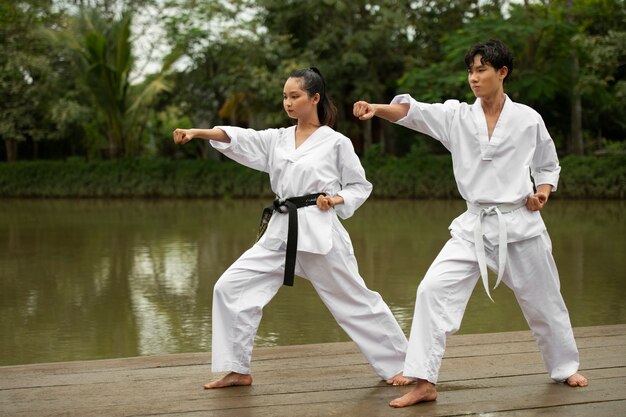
[(495, 145)]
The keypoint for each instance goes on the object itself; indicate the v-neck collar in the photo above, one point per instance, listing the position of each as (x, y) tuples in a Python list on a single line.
[(305, 144), (488, 145)]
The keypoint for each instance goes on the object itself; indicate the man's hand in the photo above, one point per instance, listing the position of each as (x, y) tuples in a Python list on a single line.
[(182, 136), (536, 201), (391, 112), (364, 110)]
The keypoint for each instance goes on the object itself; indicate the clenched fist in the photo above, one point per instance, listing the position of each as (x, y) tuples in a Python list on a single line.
[(325, 202), (536, 201), (182, 136), (363, 110)]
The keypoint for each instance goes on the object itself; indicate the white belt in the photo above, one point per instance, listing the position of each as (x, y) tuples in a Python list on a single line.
[(481, 211)]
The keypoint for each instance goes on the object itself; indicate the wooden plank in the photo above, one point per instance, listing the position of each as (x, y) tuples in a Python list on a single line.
[(504, 394), (483, 340), (454, 367), (190, 392), (603, 409), (188, 388), (312, 350), (327, 379), (527, 346)]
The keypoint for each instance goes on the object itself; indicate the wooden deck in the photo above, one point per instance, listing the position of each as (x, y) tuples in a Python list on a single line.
[(491, 375)]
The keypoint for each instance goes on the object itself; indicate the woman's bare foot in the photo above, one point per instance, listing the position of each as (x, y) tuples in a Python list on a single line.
[(232, 379), (399, 379), (577, 380), (422, 392)]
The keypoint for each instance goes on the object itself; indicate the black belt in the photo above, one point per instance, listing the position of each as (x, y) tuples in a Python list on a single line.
[(291, 206)]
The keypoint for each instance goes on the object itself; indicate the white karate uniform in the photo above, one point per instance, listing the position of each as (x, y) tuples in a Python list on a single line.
[(491, 173), (324, 163)]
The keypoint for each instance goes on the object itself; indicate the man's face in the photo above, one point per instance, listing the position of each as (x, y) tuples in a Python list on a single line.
[(484, 79)]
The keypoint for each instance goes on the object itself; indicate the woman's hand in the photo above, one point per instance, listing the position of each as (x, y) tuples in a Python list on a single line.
[(325, 202)]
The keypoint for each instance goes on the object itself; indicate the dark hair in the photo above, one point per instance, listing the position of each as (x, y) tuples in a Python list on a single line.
[(493, 52), (313, 83)]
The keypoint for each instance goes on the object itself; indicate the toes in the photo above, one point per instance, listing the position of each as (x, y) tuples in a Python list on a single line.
[(577, 380)]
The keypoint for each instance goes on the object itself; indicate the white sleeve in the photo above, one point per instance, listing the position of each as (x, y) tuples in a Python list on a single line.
[(355, 188), (247, 146), (431, 119), (545, 168)]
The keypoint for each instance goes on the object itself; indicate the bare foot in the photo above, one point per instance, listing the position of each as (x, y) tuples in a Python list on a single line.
[(399, 379), (577, 380), (422, 392), (232, 379)]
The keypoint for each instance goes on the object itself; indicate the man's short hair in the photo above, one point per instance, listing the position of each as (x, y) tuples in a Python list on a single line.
[(493, 52)]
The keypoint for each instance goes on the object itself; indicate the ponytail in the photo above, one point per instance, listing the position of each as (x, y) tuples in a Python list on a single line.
[(313, 83)]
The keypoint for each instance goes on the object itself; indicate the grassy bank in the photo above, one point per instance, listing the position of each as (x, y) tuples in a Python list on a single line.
[(409, 177)]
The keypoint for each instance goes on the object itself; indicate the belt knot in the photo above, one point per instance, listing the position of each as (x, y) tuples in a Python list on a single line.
[(288, 205), (482, 211)]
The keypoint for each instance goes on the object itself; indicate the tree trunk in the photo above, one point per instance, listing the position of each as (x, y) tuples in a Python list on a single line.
[(575, 146), (112, 150), (11, 147), (388, 139), (367, 135), (575, 142)]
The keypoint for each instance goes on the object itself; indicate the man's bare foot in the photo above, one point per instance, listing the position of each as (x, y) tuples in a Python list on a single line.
[(399, 379), (422, 392), (232, 379), (577, 380)]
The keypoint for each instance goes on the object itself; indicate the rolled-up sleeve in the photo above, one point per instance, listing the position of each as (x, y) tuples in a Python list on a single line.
[(355, 188), (545, 168), (247, 146)]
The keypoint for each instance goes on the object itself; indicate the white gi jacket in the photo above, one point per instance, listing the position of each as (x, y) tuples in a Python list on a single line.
[(324, 163), (491, 171)]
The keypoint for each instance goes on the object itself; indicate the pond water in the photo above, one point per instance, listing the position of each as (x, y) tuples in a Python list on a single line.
[(92, 279)]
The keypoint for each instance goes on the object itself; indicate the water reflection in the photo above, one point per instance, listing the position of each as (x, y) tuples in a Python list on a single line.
[(87, 279)]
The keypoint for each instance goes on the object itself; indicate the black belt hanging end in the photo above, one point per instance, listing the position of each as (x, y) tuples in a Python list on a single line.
[(292, 205), (292, 244)]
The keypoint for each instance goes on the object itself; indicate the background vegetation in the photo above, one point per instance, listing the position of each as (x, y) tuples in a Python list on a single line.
[(411, 176), (105, 80)]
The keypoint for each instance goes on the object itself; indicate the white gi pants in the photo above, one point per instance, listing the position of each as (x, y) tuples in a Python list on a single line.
[(442, 296), (252, 281)]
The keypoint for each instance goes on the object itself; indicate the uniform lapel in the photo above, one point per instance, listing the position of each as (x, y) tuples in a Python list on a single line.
[(482, 134), (488, 146), (310, 142)]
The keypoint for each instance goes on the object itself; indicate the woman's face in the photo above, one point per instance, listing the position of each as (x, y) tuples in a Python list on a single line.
[(297, 102)]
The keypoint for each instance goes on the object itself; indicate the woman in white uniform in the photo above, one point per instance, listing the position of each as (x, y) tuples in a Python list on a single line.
[(316, 177), (495, 143)]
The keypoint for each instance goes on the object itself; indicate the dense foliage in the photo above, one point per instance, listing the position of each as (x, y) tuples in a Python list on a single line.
[(411, 176), (73, 82)]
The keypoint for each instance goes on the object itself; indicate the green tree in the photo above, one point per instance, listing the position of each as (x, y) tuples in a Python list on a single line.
[(600, 82), (233, 71), (102, 49), (360, 47), (561, 69), (29, 75)]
